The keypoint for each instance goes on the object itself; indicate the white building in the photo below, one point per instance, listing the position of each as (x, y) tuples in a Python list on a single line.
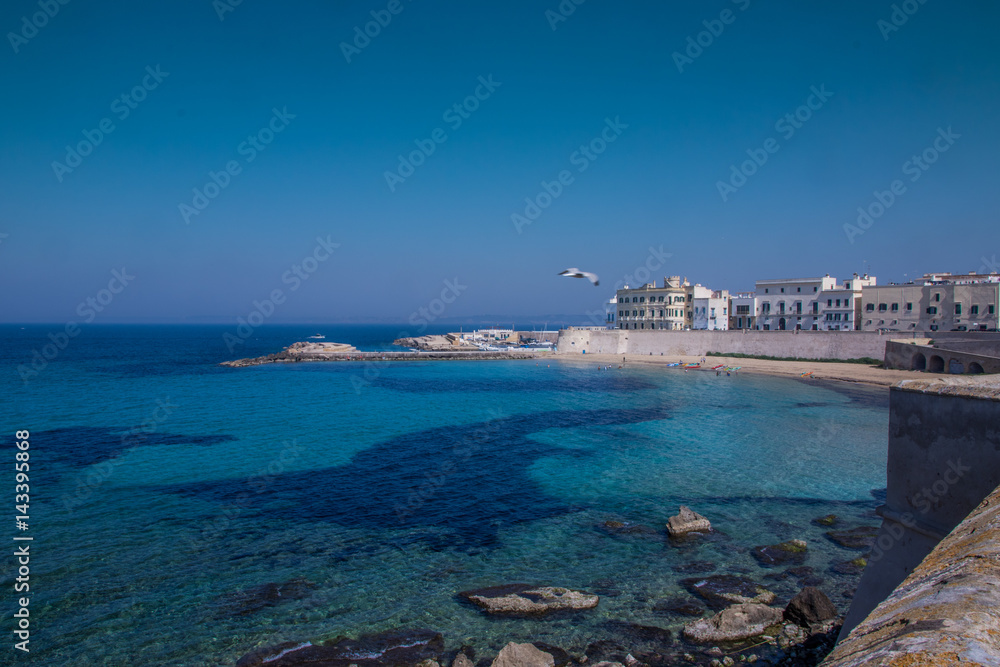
[(817, 304), (711, 309), (743, 311)]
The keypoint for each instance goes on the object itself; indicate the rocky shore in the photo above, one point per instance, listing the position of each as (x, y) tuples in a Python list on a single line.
[(731, 618), (307, 352)]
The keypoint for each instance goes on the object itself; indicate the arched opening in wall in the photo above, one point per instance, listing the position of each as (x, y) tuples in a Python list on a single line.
[(955, 367), (975, 368), (781, 324), (919, 362), (935, 364)]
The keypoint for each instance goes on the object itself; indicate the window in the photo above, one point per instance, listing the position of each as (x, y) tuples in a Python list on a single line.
[(847, 285), (958, 309), (882, 307), (815, 307), (635, 299), (895, 307), (814, 289), (661, 312), (782, 290), (937, 297), (642, 299), (847, 317), (909, 306), (991, 309), (660, 299), (932, 310), (869, 307), (765, 290), (642, 313), (838, 303), (829, 303), (798, 289), (974, 310)]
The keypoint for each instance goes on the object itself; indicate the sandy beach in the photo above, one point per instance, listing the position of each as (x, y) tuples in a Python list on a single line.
[(858, 373)]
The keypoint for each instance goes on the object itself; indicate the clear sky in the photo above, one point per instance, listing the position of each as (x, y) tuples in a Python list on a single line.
[(311, 117)]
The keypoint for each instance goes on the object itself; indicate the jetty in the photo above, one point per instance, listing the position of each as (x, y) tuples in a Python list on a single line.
[(308, 352)]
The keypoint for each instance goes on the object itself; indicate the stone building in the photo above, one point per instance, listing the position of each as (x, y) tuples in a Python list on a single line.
[(816, 304), (668, 307), (935, 302)]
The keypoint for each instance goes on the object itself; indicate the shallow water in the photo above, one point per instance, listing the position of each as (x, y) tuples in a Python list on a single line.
[(163, 484)]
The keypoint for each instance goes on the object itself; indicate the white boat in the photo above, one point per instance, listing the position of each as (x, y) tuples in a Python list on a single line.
[(317, 336)]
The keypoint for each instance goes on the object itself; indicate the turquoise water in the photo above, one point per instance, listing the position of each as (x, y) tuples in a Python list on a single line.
[(163, 484)]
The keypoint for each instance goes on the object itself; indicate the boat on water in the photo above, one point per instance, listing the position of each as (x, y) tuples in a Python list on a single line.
[(317, 336), (691, 365)]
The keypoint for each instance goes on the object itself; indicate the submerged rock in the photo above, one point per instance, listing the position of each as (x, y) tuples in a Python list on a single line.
[(786, 553), (395, 647), (850, 567), (734, 623), (625, 528), (687, 521), (523, 655), (829, 521), (527, 599), (722, 590), (697, 567), (862, 537), (462, 660), (266, 595), (642, 633), (680, 606), (808, 607)]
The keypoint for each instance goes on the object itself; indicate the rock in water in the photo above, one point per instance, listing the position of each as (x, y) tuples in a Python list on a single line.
[(406, 647), (722, 590), (462, 660), (862, 537), (810, 606), (687, 521), (522, 655), (792, 552), (830, 520), (526, 599), (740, 621)]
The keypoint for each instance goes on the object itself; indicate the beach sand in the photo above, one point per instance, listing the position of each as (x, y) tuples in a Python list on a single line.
[(858, 373)]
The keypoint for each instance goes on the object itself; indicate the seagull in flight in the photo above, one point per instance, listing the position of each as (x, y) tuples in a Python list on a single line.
[(577, 273)]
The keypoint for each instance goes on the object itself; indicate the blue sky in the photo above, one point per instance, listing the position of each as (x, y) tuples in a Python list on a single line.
[(889, 94)]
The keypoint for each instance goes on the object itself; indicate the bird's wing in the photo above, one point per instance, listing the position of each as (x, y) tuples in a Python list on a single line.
[(592, 277)]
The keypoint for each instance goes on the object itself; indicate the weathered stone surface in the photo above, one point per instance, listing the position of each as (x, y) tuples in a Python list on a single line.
[(734, 623), (862, 537), (523, 655), (721, 590), (810, 606), (687, 521), (945, 612), (792, 552), (527, 599), (561, 657), (462, 660), (396, 647)]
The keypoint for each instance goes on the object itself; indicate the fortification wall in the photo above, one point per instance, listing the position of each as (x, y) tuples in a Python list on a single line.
[(944, 458), (804, 344)]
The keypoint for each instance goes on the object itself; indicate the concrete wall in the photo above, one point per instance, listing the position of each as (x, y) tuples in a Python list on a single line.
[(805, 344), (944, 458), (947, 612)]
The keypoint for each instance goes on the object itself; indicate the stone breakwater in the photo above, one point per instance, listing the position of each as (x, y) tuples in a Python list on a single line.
[(304, 352)]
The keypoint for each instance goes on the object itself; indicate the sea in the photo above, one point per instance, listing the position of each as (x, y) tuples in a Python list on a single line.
[(185, 513)]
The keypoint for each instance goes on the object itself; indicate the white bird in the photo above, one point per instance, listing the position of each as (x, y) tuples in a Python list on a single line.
[(577, 273)]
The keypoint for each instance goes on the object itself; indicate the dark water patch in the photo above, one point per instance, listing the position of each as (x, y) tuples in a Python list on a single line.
[(81, 446), (580, 382), (248, 601), (866, 395), (466, 481)]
